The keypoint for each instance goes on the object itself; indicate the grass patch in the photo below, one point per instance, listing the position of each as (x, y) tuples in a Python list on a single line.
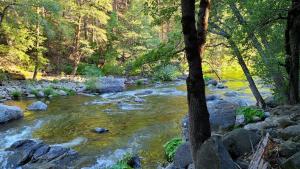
[(171, 146), (166, 73), (70, 92), (49, 91), (250, 113), (16, 94)]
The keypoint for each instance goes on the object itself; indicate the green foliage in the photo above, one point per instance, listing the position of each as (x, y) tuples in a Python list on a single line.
[(68, 68), (70, 92), (139, 82), (250, 112), (166, 73), (123, 163), (16, 94), (113, 69), (49, 91), (207, 78), (171, 147), (91, 83)]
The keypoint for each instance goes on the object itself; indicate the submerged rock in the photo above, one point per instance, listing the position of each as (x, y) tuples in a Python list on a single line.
[(100, 130), (139, 100), (38, 106), (212, 82), (8, 113), (31, 154)]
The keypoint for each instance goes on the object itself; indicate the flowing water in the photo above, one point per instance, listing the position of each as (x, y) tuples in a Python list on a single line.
[(140, 128)]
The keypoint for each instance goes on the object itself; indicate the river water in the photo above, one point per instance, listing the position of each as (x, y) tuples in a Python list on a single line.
[(140, 128)]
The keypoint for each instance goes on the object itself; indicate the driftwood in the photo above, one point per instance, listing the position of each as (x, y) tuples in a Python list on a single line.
[(258, 160)]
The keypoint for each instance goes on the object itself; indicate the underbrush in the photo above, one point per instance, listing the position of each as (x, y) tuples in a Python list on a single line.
[(16, 94), (250, 113), (166, 73), (171, 146), (123, 163)]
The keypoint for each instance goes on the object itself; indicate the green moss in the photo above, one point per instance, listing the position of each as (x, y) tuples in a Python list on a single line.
[(171, 147), (250, 113)]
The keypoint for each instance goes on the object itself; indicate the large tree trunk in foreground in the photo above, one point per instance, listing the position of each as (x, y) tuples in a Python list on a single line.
[(194, 45), (293, 51)]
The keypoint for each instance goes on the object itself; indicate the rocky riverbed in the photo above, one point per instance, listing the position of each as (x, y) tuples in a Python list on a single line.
[(137, 120)]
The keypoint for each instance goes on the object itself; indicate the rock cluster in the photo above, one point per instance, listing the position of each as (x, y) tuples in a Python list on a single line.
[(31, 154)]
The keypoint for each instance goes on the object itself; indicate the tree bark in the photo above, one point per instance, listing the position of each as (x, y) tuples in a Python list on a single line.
[(76, 53), (259, 100), (194, 47), (293, 51), (37, 46)]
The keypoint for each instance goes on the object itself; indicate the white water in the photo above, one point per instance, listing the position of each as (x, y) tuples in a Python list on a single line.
[(75, 142)]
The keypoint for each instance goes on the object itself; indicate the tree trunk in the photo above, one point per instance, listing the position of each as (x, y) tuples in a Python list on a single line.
[(76, 53), (259, 100), (37, 46), (194, 43), (293, 51)]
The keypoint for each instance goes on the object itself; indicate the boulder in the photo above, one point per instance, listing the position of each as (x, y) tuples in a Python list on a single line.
[(135, 162), (36, 154), (288, 148), (271, 101), (212, 82), (38, 106), (221, 86), (8, 113), (292, 162), (270, 122), (213, 155), (290, 132), (240, 141), (185, 128), (40, 94), (110, 85), (212, 97), (222, 114), (183, 156), (240, 120)]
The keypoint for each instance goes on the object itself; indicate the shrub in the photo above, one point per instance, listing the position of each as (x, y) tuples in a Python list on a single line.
[(113, 69), (55, 81), (91, 83), (166, 73), (69, 91), (250, 112), (49, 91), (139, 82), (68, 69), (16, 94), (123, 163), (171, 147)]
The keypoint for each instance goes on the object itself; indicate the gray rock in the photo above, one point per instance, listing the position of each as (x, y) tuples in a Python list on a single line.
[(139, 100), (171, 166), (292, 162), (221, 86), (214, 155), (289, 132), (38, 106), (240, 120), (285, 122), (231, 94), (183, 156), (212, 82), (8, 113), (40, 94), (212, 97), (185, 128), (222, 114), (271, 101), (110, 85), (144, 93), (30, 154), (135, 162), (288, 148), (240, 141), (270, 122), (62, 93), (100, 130)]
